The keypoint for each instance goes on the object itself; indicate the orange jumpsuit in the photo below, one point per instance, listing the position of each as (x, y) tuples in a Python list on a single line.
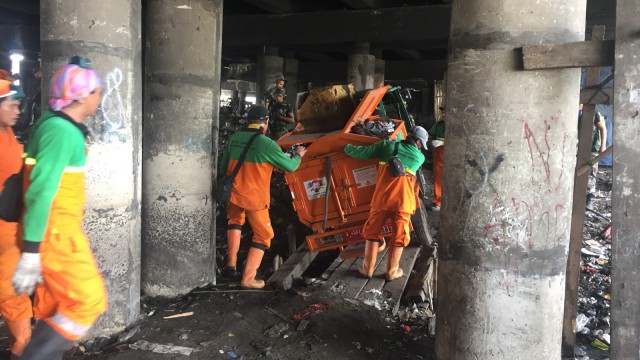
[(394, 198), (13, 308), (438, 159), (72, 294)]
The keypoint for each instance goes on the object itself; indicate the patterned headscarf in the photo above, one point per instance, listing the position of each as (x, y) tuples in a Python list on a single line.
[(70, 83)]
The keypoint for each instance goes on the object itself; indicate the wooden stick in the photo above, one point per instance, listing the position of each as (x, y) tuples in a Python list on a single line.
[(584, 168)]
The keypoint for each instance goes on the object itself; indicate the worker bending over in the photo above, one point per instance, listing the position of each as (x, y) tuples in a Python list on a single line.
[(394, 198), (250, 197), (56, 258)]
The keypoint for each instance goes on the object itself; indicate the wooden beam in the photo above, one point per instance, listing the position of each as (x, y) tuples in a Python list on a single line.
[(293, 268), (625, 196), (274, 6), (362, 4), (411, 24), (570, 55), (596, 96), (578, 212)]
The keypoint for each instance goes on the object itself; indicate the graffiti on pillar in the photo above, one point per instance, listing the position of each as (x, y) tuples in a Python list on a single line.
[(540, 153), (112, 116)]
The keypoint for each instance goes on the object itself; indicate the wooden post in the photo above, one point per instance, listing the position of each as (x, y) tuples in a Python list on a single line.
[(625, 197), (577, 218)]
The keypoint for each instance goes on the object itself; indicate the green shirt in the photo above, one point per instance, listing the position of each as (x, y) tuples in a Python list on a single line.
[(56, 144), (437, 131), (412, 158)]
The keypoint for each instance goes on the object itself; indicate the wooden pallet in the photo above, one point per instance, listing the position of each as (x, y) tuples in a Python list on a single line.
[(292, 269), (343, 277)]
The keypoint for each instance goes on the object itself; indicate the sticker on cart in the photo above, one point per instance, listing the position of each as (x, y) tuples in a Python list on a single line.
[(316, 188), (365, 176)]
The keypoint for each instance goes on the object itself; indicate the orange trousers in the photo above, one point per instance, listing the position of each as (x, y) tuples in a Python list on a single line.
[(72, 294), (373, 228), (438, 158), (15, 309), (259, 221)]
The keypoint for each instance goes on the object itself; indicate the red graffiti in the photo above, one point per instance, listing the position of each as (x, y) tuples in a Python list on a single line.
[(534, 146)]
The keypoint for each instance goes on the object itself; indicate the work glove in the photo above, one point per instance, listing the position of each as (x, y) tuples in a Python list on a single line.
[(28, 273)]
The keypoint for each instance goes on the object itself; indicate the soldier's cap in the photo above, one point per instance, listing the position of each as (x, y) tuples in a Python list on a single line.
[(280, 77), (257, 113), (5, 89)]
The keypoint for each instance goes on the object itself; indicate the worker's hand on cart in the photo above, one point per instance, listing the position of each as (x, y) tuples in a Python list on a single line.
[(300, 150)]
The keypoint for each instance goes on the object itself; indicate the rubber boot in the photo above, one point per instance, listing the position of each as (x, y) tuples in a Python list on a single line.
[(46, 344), (393, 263), (370, 255), (233, 246), (19, 335), (254, 257)]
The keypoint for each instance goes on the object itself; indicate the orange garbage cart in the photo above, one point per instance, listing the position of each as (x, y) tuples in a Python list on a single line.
[(331, 191)]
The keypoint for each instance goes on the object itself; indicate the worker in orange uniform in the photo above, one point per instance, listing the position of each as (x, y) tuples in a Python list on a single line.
[(394, 198), (70, 291), (436, 133), (15, 309), (250, 197)]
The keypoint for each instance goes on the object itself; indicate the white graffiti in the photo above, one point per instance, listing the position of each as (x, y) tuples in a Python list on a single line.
[(112, 107)]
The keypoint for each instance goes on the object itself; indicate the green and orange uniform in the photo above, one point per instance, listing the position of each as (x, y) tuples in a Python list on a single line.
[(436, 133), (73, 294), (394, 198), (15, 309), (251, 195)]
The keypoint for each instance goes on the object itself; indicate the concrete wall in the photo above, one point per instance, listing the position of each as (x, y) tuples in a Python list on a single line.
[(109, 34)]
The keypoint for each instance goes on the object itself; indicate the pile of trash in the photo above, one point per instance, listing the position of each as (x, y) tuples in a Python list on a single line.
[(593, 322), (381, 128)]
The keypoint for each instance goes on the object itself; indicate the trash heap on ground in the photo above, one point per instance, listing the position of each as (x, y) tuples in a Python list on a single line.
[(594, 292)]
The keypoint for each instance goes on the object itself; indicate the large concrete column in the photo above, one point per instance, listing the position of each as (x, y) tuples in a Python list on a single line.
[(109, 34), (291, 74), (378, 76), (270, 65), (361, 67), (625, 197), (182, 91), (508, 179)]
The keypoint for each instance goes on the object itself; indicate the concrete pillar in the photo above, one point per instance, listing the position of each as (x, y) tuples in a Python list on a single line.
[(270, 65), (378, 76), (361, 67), (242, 98), (182, 92), (291, 74), (508, 179), (109, 34), (625, 197)]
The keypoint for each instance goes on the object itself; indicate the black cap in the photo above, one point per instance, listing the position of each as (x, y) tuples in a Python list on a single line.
[(257, 113)]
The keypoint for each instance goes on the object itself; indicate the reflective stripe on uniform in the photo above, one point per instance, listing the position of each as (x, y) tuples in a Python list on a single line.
[(69, 325), (74, 169), (29, 161)]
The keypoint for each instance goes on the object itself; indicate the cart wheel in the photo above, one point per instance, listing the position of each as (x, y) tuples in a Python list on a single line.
[(420, 224)]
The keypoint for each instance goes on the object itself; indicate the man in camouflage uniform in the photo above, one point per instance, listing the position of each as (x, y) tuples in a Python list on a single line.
[(281, 119), (598, 145), (269, 98)]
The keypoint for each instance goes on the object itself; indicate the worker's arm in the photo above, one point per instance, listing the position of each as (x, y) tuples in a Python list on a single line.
[(282, 161), (602, 128), (365, 152), (55, 149)]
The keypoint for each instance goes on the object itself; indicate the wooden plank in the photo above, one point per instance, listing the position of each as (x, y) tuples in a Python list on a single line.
[(352, 282), (602, 96), (339, 273), (334, 265), (293, 268), (422, 273), (396, 287), (578, 212), (570, 55), (625, 196), (378, 280)]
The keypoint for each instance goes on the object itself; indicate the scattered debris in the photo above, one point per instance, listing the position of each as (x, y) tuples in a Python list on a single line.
[(160, 348), (190, 313), (313, 309), (124, 337), (277, 330), (302, 325)]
